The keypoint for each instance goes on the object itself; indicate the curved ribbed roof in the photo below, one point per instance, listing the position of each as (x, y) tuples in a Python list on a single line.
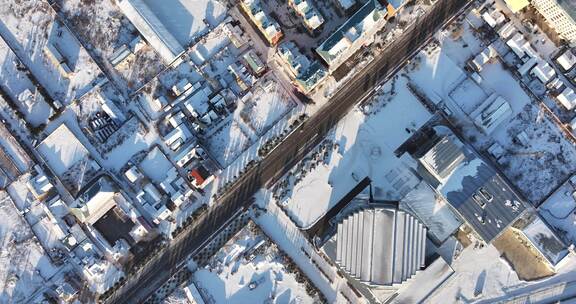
[(381, 246)]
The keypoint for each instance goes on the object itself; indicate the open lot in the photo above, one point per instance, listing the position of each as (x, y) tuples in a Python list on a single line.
[(527, 264), (264, 106), (228, 142)]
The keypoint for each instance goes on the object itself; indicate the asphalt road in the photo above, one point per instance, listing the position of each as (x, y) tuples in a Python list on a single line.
[(142, 284)]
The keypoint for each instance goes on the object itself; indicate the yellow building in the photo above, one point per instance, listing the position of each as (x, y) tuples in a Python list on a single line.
[(516, 5)]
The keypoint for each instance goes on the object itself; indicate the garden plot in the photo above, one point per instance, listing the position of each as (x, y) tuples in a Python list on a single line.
[(103, 28), (47, 48), (251, 269), (24, 266), (265, 105), (228, 142)]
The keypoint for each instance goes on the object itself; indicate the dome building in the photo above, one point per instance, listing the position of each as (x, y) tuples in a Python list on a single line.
[(380, 245)]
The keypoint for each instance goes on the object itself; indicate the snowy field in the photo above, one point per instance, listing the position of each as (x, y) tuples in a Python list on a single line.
[(24, 266), (228, 142), (265, 105), (135, 142), (251, 269), (360, 149), (29, 27)]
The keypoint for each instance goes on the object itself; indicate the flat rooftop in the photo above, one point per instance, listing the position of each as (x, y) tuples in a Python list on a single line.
[(61, 149), (479, 194)]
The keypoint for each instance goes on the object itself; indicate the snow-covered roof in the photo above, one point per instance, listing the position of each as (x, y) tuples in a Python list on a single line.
[(482, 58), (543, 71), (516, 5), (152, 29), (61, 149), (346, 4), (381, 245), (493, 18), (527, 66), (567, 98), (443, 158), (507, 30), (432, 210), (491, 113), (567, 60), (312, 17), (359, 24), (267, 26), (95, 202), (197, 103), (546, 241), (178, 136), (521, 47), (481, 196)]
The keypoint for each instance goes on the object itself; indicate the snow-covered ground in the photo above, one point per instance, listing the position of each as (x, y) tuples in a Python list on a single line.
[(156, 165), (544, 150), (103, 28), (481, 275), (362, 145), (228, 142), (28, 28), (264, 106), (251, 269)]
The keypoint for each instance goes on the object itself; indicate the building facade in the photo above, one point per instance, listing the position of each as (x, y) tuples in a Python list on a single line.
[(560, 15)]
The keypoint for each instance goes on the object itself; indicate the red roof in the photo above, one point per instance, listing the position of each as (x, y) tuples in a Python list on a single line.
[(197, 177)]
